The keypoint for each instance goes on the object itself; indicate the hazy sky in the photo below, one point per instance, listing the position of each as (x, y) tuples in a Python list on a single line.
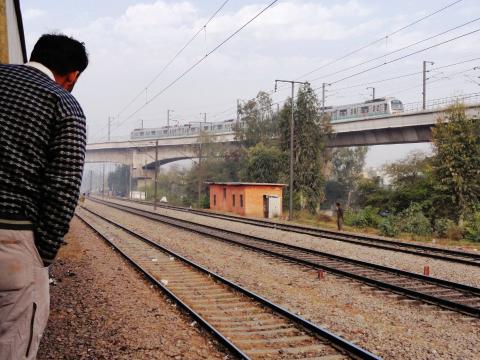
[(131, 41)]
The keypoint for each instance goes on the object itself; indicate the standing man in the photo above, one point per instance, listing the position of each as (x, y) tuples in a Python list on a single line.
[(42, 150), (339, 216)]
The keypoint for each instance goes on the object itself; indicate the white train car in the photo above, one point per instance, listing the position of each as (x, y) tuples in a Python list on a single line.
[(192, 129), (368, 109)]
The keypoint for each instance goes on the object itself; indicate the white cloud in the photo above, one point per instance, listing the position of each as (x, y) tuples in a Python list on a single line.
[(32, 14)]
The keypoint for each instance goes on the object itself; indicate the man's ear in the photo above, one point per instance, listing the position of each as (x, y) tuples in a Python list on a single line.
[(68, 80), (71, 78)]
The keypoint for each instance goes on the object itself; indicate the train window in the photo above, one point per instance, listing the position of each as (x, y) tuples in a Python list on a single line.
[(219, 126), (385, 107), (241, 200), (397, 105), (141, 133), (364, 109), (165, 131), (233, 200), (343, 112), (205, 127)]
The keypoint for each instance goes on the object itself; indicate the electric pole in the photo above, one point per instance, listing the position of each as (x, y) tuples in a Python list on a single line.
[(424, 93), (204, 117), (130, 169), (168, 116), (103, 181), (292, 126), (109, 125), (373, 91), (91, 180), (156, 176), (323, 97), (238, 111)]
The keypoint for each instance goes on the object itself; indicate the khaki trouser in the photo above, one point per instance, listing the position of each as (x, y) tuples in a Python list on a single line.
[(24, 295)]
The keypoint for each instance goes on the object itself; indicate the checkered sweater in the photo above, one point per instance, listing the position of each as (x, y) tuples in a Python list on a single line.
[(42, 150)]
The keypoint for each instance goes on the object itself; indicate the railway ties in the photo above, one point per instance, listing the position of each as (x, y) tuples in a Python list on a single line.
[(456, 256), (459, 297), (247, 324)]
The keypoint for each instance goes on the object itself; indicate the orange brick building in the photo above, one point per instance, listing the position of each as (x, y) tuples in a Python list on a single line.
[(249, 199)]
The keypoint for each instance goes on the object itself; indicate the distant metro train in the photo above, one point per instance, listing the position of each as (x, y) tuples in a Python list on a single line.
[(371, 108), (226, 126), (361, 111)]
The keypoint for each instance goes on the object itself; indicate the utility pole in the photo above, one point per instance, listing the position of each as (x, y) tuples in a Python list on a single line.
[(292, 127), (200, 170), (156, 176), (103, 181), (424, 93), (91, 180), (145, 178), (373, 91), (168, 116), (238, 111), (109, 126), (130, 169), (204, 117), (323, 97)]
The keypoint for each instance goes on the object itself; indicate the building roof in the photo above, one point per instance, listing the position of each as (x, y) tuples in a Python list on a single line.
[(244, 184)]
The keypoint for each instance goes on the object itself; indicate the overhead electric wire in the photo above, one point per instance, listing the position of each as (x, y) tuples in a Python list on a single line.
[(402, 76), (395, 51), (200, 61), (407, 55), (173, 58), (380, 39)]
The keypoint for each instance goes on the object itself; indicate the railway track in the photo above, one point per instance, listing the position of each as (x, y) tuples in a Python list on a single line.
[(456, 256), (247, 324), (457, 297)]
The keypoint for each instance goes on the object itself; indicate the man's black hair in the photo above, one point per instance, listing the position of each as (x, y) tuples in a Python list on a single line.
[(60, 53)]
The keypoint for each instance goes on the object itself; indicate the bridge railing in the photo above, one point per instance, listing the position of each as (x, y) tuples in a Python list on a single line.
[(443, 103)]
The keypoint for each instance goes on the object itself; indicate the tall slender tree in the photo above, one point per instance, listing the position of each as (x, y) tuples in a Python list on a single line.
[(456, 141), (311, 133)]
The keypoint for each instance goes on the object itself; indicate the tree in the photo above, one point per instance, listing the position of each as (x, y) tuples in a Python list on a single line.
[(456, 141), (310, 137), (118, 181), (260, 121), (264, 164), (348, 165)]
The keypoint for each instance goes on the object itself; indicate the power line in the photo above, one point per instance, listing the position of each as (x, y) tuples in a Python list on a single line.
[(407, 55), (174, 57), (396, 51), (200, 60), (380, 39), (402, 76)]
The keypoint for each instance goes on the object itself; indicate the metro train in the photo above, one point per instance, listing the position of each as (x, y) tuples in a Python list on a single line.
[(368, 109), (361, 111), (226, 126)]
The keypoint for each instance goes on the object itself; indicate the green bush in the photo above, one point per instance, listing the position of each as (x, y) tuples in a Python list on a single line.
[(363, 218), (412, 220), (442, 225), (388, 227), (205, 202), (472, 228)]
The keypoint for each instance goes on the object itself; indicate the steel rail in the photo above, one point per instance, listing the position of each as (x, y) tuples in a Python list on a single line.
[(304, 255), (456, 256), (332, 339)]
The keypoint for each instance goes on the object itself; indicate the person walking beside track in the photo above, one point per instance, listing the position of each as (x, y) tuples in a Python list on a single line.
[(42, 151), (339, 211)]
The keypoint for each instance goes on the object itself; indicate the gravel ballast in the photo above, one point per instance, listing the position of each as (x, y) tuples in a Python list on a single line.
[(103, 309), (460, 273), (390, 326)]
